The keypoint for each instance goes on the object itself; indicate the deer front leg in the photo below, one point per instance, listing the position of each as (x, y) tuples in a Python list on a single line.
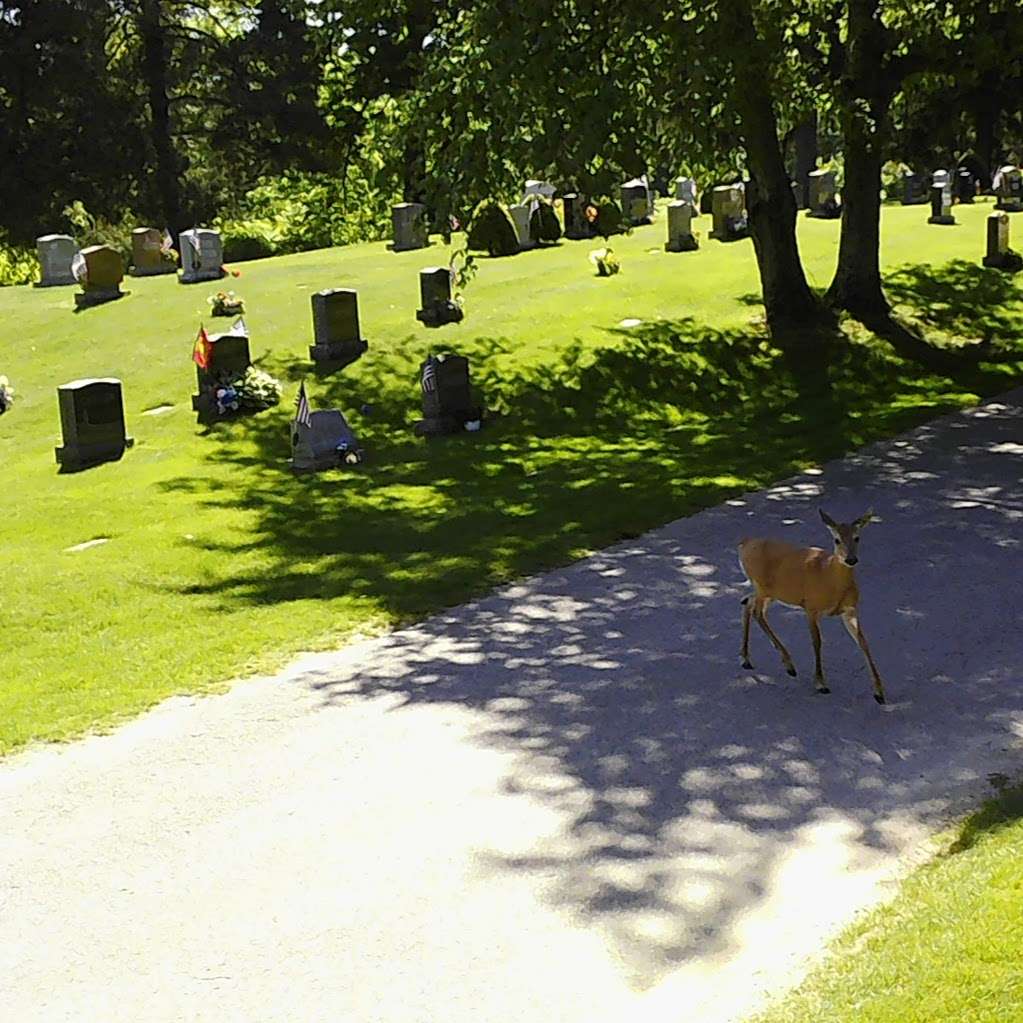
[(818, 668), (747, 614), (760, 613), (852, 623)]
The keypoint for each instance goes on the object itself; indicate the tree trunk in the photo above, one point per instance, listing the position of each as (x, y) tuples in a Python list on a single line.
[(788, 301), (804, 144), (154, 70)]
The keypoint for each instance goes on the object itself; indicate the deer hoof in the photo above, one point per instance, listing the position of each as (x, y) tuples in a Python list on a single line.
[(791, 671), (746, 664), (879, 698)]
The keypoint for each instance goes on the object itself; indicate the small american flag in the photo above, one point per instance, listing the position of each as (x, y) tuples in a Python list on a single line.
[(302, 415), (430, 375)]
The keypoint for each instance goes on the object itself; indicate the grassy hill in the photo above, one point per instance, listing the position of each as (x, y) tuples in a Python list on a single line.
[(218, 561)]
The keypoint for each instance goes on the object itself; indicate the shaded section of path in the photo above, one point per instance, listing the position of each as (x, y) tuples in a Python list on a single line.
[(562, 802)]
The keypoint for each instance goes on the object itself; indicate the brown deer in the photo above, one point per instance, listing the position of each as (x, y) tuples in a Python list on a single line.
[(810, 578)]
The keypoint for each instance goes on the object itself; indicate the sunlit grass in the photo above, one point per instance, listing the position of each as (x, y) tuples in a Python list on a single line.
[(219, 562)]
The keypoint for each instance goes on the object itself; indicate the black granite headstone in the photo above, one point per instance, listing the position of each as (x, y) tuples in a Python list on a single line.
[(91, 422)]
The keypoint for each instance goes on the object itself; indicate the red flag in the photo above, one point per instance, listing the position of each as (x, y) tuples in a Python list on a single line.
[(202, 353)]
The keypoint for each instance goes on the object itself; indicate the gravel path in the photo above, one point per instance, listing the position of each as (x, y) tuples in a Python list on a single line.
[(565, 802)]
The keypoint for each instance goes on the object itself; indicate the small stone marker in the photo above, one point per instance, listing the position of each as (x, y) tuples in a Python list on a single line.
[(438, 307), (680, 230), (637, 202), (913, 190), (99, 271), (91, 423), (965, 189), (447, 397), (823, 202), (337, 339), (55, 252), (1008, 187), (202, 256), (728, 210), (941, 199), (520, 218), (576, 224), (685, 189), (999, 256), (410, 228), (327, 442), (147, 253)]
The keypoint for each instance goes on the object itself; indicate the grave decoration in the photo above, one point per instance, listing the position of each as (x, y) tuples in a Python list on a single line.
[(941, 199), (410, 227), (605, 261), (226, 303), (914, 191), (447, 397), (577, 225), (322, 439), (99, 271), (728, 210), (56, 252), (337, 340), (202, 256), (823, 189), (438, 305), (151, 253), (91, 423), (492, 230), (6, 395), (1007, 185), (228, 384), (637, 202), (999, 256), (681, 237)]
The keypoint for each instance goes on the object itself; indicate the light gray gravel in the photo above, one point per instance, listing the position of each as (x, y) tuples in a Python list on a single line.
[(565, 802)]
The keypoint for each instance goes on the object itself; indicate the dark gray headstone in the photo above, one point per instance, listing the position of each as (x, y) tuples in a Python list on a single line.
[(410, 228), (438, 307), (914, 190), (202, 255), (327, 443), (91, 423), (823, 199), (685, 189), (637, 202), (229, 360), (576, 224), (337, 338), (447, 396), (941, 202), (999, 256), (965, 188), (56, 253)]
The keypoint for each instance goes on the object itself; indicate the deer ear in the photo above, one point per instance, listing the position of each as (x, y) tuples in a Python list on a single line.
[(827, 519), (866, 518)]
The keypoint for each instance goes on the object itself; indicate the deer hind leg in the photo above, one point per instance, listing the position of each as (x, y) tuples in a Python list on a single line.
[(760, 605), (852, 623), (818, 668), (747, 614)]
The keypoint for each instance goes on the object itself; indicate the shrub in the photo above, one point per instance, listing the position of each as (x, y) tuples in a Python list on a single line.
[(610, 219), (249, 240), (544, 226), (492, 230), (89, 230), (18, 264)]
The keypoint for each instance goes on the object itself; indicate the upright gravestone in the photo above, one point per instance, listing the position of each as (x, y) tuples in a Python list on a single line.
[(438, 307), (56, 252), (729, 213), (228, 361), (941, 199), (965, 187), (999, 256), (447, 397), (544, 188), (680, 229), (411, 230), (325, 442), (202, 256), (685, 190), (1008, 187), (637, 202), (337, 338), (576, 224), (823, 195), (520, 218), (914, 193), (99, 271), (147, 253), (91, 423)]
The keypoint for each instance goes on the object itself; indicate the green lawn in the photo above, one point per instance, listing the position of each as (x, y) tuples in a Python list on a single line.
[(219, 562), (947, 950)]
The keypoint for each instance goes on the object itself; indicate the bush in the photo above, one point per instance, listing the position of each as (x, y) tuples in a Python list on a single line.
[(18, 264), (89, 230), (492, 230), (248, 240), (544, 226), (610, 219)]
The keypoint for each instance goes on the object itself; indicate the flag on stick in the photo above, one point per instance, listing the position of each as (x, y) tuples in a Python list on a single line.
[(303, 415), (202, 352)]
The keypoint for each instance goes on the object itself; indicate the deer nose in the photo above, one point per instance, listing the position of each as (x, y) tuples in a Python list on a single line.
[(851, 561)]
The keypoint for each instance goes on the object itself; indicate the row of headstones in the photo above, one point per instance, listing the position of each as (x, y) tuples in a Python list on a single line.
[(99, 269)]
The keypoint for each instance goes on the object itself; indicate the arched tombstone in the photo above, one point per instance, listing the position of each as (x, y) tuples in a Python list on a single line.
[(437, 305), (99, 270), (91, 423), (680, 227), (55, 252), (202, 255)]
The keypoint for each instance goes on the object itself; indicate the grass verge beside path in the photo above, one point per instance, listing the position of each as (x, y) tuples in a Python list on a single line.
[(946, 950), (218, 562)]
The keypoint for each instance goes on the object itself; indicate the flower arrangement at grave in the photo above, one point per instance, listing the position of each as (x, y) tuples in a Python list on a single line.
[(492, 230), (605, 261), (544, 226), (256, 390), (6, 395), (227, 303)]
